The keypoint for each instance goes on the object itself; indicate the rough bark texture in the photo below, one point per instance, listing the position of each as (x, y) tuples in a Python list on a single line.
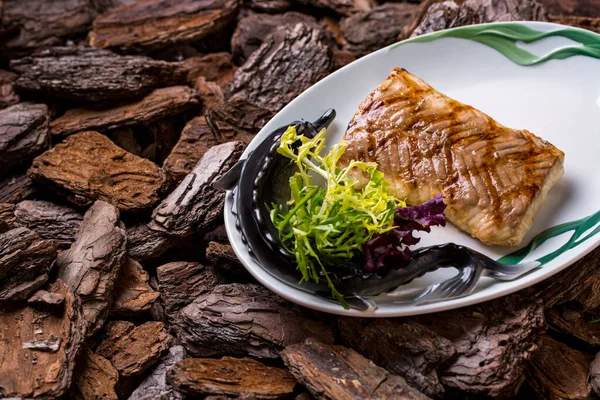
[(595, 374), (449, 14), (158, 104), (180, 282), (25, 261), (231, 377), (95, 378), (340, 373), (588, 8), (28, 372), (216, 67), (144, 243), (223, 257), (153, 24), (88, 74), (88, 166), (210, 94), (8, 96), (23, 133), (93, 263), (372, 30), (403, 347), (252, 30), (132, 294), (237, 119), (33, 24), (15, 187), (132, 351), (49, 220), (43, 298), (154, 386), (276, 73), (492, 341), (195, 205), (557, 372), (195, 140), (8, 220), (342, 7), (591, 24), (258, 323), (568, 319)]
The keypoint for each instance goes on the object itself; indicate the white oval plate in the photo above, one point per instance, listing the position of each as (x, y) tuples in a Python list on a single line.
[(555, 94)]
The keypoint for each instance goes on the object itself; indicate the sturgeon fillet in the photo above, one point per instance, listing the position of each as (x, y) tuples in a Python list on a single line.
[(493, 178)]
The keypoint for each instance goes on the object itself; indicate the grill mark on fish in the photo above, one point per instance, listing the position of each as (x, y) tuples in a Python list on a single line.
[(493, 178)]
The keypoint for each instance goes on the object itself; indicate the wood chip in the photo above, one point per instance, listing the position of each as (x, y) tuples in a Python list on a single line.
[(237, 119), (30, 373), (158, 104), (449, 14), (144, 243), (195, 206), (49, 220), (16, 187), (47, 299), (196, 139), (39, 23), (492, 341), (340, 373), (223, 257), (155, 386), (88, 74), (95, 378), (402, 347), (93, 263), (23, 133), (154, 24), (557, 372), (132, 294), (277, 72), (210, 94), (180, 282), (341, 7), (241, 320), (251, 31), (133, 351), (233, 377), (8, 96), (25, 262), (87, 166), (215, 67), (372, 30)]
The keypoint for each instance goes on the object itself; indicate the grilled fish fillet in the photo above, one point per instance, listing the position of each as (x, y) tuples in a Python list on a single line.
[(493, 178)]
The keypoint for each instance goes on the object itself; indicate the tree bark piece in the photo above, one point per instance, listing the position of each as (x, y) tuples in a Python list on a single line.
[(132, 294), (25, 262), (158, 104), (450, 14), (259, 323), (23, 133), (95, 378), (27, 372), (567, 319), (492, 341), (215, 67), (585, 8), (34, 24), (210, 93), (93, 263), (277, 72), (237, 119), (8, 220), (342, 7), (8, 97), (87, 74), (558, 372), (15, 187), (270, 6), (44, 298), (223, 257), (195, 140), (144, 243), (49, 220), (340, 373), (252, 30), (180, 282), (154, 24), (88, 166), (135, 350), (195, 206), (154, 386), (403, 347), (372, 30), (591, 24), (595, 374), (232, 377)]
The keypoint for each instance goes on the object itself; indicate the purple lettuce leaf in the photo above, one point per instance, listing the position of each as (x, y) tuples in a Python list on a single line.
[(391, 249)]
